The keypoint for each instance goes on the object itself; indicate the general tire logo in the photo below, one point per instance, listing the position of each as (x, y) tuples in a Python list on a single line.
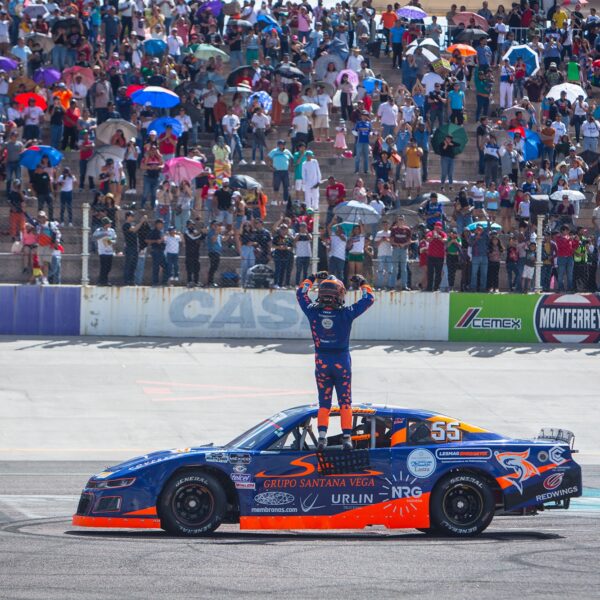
[(274, 498), (471, 320), (568, 318), (553, 481)]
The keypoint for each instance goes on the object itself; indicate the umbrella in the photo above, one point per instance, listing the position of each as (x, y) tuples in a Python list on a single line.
[(426, 43), (307, 107), (484, 224), (105, 131), (411, 12), (183, 169), (596, 64), (155, 47), (573, 91), (241, 74), (21, 84), (32, 157), (87, 76), (357, 212), (213, 6), (45, 42), (329, 89), (465, 19), (530, 58), (369, 83), (206, 51), (240, 23), (289, 72), (441, 199), (46, 76), (23, 100), (511, 113), (463, 49), (36, 10), (323, 62), (352, 77), (243, 182), (160, 125), (265, 21), (457, 133), (469, 34), (158, 97), (430, 55), (263, 98), (100, 157), (574, 195), (238, 89), (8, 64), (131, 89), (65, 24), (531, 147)]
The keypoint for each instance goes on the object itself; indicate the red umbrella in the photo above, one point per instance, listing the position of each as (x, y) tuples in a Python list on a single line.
[(596, 64), (23, 100), (132, 89)]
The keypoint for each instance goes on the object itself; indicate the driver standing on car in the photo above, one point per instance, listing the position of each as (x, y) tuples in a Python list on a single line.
[(330, 324)]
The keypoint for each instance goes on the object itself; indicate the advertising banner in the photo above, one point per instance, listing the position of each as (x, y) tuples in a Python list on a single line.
[(524, 318)]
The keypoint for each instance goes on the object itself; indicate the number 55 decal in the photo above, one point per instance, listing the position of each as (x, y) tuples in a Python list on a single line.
[(442, 431)]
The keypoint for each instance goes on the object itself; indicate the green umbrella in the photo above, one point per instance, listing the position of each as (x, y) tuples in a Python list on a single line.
[(457, 133), (206, 51)]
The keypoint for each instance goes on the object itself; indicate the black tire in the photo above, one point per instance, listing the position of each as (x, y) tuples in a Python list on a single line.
[(461, 505), (192, 503)]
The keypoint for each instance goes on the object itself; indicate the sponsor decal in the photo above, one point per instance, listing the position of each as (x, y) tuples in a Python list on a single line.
[(320, 482), (399, 420), (351, 499), (327, 323), (279, 431), (240, 459), (557, 494), (152, 461), (421, 463), (471, 320), (216, 457), (568, 318), (239, 469), (244, 485), (556, 454), (274, 498), (274, 509), (553, 481), (542, 456), (309, 503), (402, 487), (240, 477), (522, 469), (181, 450), (452, 454), (103, 475)]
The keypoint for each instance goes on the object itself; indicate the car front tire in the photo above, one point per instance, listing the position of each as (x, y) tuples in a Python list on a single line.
[(193, 503), (462, 505)]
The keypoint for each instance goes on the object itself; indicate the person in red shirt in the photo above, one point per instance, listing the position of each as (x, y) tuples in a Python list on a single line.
[(335, 193), (565, 262), (436, 252), (70, 120), (167, 142), (86, 151)]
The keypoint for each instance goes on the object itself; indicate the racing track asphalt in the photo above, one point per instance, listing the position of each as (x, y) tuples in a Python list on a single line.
[(98, 401)]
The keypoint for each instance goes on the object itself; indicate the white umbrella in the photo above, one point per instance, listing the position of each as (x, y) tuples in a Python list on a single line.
[(100, 157), (105, 131), (357, 212), (574, 195), (573, 91), (441, 198), (427, 42)]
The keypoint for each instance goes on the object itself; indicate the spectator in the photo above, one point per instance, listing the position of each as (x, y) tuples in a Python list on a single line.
[(214, 246), (172, 243), (565, 251), (311, 178), (156, 244), (130, 236), (479, 241), (401, 237), (303, 250), (436, 252), (447, 154), (105, 237), (283, 256), (280, 159), (337, 251)]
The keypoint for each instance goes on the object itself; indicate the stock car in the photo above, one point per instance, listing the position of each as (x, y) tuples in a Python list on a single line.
[(408, 469)]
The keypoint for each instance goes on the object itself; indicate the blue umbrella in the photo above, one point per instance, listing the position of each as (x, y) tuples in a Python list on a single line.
[(597, 113), (155, 47), (157, 96), (214, 6), (264, 99), (265, 22), (493, 226), (46, 76), (160, 125), (32, 157), (8, 64), (369, 83), (531, 147), (529, 56)]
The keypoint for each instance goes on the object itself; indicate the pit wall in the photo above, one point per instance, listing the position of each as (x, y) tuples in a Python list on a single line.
[(266, 314)]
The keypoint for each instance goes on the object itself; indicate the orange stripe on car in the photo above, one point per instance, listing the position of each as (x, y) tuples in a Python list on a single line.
[(398, 437), (121, 522), (143, 512)]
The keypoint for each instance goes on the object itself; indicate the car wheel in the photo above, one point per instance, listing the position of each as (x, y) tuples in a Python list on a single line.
[(192, 503), (462, 504)]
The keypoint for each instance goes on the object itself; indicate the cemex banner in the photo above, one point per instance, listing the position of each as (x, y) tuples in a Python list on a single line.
[(527, 318)]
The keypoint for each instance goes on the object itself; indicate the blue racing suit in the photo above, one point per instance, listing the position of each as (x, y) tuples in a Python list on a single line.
[(330, 328)]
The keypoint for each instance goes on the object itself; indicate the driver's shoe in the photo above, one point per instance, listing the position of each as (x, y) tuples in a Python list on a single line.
[(347, 443), (322, 444)]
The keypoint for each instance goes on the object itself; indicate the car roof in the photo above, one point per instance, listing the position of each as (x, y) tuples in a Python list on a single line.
[(384, 410)]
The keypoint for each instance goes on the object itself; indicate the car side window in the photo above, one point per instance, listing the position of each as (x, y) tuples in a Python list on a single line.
[(433, 432), (300, 438), (419, 432)]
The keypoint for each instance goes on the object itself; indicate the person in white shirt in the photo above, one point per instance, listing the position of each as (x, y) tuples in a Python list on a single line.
[(174, 45), (231, 125), (78, 88), (66, 181), (388, 116), (337, 251), (429, 80), (260, 123), (172, 243), (300, 124), (321, 115), (311, 178), (186, 126), (354, 60), (32, 117), (590, 130), (559, 130), (209, 98), (385, 265), (105, 237)]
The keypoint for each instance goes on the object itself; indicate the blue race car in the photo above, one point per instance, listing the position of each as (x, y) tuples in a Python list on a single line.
[(409, 469)]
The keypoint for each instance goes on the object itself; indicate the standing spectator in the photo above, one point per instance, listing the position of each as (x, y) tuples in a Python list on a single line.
[(549, 250), (479, 241), (303, 249), (231, 125), (401, 237), (385, 264), (529, 267), (57, 113), (494, 256), (42, 186), (172, 243), (152, 165), (491, 154), (311, 178), (132, 153), (246, 244), (299, 160), (456, 98), (337, 251), (356, 250), (321, 115), (334, 193), (280, 159), (283, 256), (13, 147), (414, 156), (105, 237), (32, 117), (436, 252), (590, 130), (214, 246), (156, 244), (422, 134), (224, 198), (260, 123), (66, 182), (512, 263), (130, 236), (507, 81), (447, 161), (362, 130), (548, 137), (453, 257), (482, 133), (565, 252), (193, 237), (16, 200), (388, 116), (70, 120)]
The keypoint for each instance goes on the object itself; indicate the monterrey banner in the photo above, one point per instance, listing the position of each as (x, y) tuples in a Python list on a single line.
[(552, 318)]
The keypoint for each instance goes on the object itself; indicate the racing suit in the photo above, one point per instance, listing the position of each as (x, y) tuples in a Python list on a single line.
[(330, 328)]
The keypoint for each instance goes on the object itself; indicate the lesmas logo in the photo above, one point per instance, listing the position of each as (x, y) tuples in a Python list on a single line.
[(568, 318)]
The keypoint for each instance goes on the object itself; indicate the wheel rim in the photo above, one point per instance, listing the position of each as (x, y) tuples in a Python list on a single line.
[(463, 505), (193, 504)]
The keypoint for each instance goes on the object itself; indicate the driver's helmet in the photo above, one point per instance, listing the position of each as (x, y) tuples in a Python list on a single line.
[(331, 292)]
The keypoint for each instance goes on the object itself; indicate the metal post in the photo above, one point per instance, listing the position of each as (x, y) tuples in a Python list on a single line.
[(538, 258), (85, 245), (314, 263)]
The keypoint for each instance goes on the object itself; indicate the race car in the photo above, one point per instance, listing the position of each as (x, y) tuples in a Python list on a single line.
[(408, 469)]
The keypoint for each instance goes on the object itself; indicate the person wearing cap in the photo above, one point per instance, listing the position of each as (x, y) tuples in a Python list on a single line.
[(105, 237), (280, 159), (362, 131), (14, 146), (456, 99), (299, 160), (436, 253), (172, 244), (311, 178), (479, 241), (548, 136), (100, 95), (16, 201), (155, 241), (507, 81), (151, 165), (231, 125), (32, 117), (401, 237)]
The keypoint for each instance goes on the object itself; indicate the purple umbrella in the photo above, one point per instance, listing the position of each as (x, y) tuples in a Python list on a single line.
[(7, 64), (46, 76), (214, 6)]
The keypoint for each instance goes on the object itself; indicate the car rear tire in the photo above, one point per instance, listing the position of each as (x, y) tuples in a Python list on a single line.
[(192, 503), (462, 504)]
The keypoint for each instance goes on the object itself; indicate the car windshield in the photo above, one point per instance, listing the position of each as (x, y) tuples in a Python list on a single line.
[(277, 424)]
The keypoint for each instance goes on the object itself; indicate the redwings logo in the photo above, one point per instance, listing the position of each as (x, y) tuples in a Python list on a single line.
[(518, 463)]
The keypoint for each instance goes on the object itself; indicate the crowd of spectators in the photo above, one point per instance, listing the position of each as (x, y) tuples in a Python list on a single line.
[(71, 76)]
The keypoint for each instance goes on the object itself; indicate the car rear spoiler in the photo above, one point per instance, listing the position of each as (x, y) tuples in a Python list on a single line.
[(555, 434)]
